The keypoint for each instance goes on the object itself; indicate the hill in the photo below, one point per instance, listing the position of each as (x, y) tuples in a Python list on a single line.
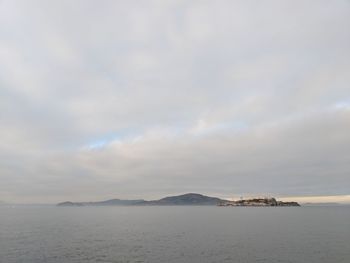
[(185, 199)]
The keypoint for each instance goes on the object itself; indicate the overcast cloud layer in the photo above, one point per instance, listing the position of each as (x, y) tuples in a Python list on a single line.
[(138, 99)]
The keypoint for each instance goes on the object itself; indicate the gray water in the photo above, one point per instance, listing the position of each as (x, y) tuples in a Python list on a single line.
[(174, 234)]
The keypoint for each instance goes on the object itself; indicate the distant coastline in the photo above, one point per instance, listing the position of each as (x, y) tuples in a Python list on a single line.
[(190, 199)]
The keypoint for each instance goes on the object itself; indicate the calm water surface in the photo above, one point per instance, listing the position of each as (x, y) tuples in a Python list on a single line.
[(174, 234)]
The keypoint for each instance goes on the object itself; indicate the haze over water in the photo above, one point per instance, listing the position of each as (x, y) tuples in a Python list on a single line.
[(174, 234)]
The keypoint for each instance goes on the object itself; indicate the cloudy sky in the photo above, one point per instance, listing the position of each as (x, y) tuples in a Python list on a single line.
[(141, 99)]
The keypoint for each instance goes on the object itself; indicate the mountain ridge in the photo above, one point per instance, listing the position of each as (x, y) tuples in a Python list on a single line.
[(184, 199)]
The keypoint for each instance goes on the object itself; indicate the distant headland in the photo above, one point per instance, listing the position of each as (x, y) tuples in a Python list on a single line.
[(184, 200)]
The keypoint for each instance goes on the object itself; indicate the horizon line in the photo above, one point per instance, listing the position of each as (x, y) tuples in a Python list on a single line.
[(339, 199)]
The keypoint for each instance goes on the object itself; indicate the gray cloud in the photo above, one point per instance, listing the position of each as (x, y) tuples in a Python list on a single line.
[(141, 99)]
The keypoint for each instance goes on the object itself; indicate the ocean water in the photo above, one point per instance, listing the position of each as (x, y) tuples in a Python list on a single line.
[(174, 234)]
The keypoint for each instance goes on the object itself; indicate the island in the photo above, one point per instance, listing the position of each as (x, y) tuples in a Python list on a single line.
[(189, 199), (257, 202)]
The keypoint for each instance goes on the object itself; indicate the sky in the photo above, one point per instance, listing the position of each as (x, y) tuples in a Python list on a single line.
[(142, 99)]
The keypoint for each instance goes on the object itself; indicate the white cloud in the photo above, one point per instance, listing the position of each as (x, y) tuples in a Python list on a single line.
[(236, 96)]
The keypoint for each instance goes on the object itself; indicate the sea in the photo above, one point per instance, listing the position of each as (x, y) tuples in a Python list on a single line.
[(50, 234)]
